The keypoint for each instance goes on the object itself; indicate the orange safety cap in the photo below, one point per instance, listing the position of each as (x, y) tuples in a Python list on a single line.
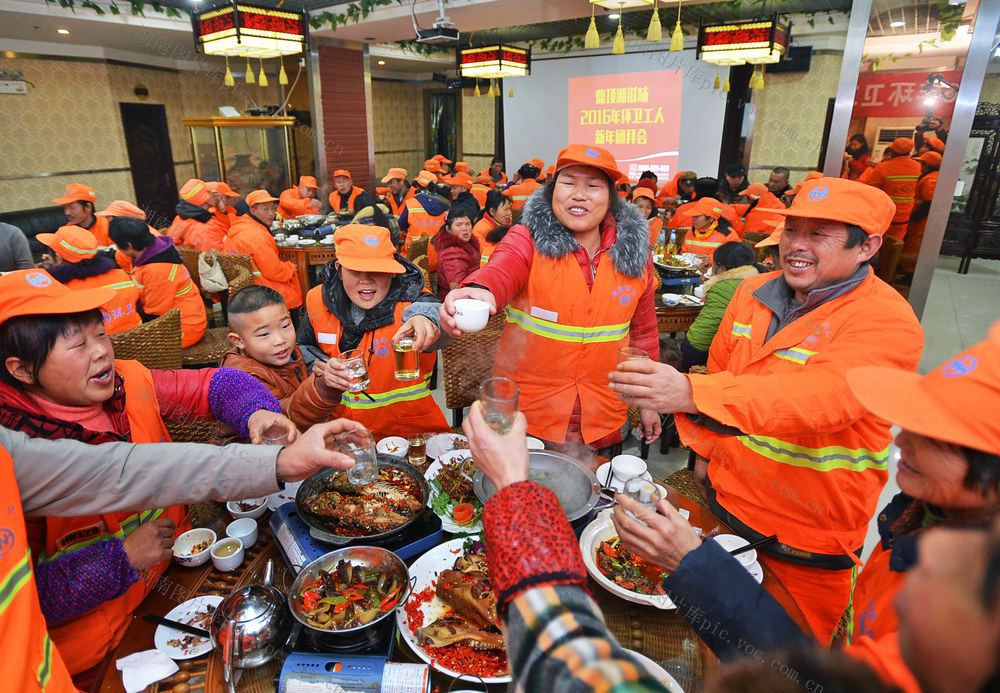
[(121, 208), (364, 248), (393, 174), (813, 175), (432, 165), (426, 178), (309, 182), (931, 158), (537, 163), (643, 191), (755, 189), (935, 143), (71, 243), (589, 155), (461, 167), (259, 197), (36, 292), (956, 402), (902, 145), (706, 206), (839, 199), (217, 186), (77, 192), (342, 172), (195, 192), (484, 178), (775, 237), (441, 158)]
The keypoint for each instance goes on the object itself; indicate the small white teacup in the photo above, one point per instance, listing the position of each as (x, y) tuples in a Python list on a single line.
[(471, 314)]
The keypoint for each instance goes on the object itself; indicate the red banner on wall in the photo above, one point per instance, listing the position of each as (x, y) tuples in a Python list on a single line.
[(900, 94), (636, 116)]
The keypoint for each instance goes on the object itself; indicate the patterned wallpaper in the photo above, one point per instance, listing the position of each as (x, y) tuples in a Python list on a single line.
[(991, 89), (478, 129), (791, 111), (71, 121)]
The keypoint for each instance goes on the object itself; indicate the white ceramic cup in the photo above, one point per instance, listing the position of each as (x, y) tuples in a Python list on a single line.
[(699, 291), (626, 467), (244, 529), (293, 239), (471, 314), (671, 299), (233, 560)]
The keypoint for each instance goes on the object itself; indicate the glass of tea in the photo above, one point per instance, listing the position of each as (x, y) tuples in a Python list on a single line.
[(357, 371), (417, 453), (499, 399), (360, 446), (405, 359)]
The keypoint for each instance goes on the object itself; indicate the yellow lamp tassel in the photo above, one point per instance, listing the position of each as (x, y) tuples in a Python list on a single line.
[(249, 75), (282, 75), (718, 80), (477, 92), (228, 79), (725, 86), (677, 39), (592, 39), (510, 92), (491, 93), (655, 32), (618, 47), (760, 78), (263, 77)]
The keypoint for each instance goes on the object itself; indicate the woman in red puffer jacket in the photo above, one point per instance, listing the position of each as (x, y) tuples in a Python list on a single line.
[(458, 250)]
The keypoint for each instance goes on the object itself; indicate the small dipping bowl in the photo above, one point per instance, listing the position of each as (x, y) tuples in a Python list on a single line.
[(626, 467), (187, 541), (471, 314), (393, 445), (731, 542), (244, 529), (227, 554), (260, 505)]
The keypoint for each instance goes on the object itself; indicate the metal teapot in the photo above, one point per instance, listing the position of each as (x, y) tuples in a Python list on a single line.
[(250, 626)]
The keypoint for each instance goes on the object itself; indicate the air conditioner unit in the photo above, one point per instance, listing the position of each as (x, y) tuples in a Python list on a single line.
[(885, 137)]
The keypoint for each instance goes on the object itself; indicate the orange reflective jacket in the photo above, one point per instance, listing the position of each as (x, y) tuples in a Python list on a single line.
[(167, 285), (561, 341), (122, 313), (897, 178), (757, 220), (705, 242), (85, 640), (811, 461), (520, 193), (291, 204), (336, 200), (397, 208), (200, 235), (400, 408), (32, 663), (249, 237), (422, 223)]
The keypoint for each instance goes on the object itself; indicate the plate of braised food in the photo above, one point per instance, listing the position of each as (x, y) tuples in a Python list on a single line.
[(453, 497), (450, 619)]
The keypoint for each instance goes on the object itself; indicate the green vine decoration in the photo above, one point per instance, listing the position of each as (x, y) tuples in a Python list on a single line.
[(136, 7), (950, 17)]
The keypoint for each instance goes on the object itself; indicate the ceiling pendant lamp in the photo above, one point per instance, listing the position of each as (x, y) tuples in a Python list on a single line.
[(592, 39), (655, 32), (677, 39), (249, 30)]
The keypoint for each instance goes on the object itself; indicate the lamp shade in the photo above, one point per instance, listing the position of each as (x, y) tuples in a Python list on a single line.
[(494, 62), (755, 41), (621, 4), (249, 31)]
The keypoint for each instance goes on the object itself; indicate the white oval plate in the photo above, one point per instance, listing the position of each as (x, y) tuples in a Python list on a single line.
[(184, 613), (447, 523), (286, 495), (659, 672), (426, 569), (442, 443)]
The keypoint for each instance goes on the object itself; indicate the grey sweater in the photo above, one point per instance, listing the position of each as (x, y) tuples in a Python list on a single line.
[(14, 251)]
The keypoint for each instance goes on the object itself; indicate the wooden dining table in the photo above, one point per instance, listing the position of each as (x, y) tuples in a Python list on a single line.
[(306, 258), (666, 637)]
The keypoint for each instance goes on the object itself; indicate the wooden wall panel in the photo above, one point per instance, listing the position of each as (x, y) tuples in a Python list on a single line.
[(345, 109)]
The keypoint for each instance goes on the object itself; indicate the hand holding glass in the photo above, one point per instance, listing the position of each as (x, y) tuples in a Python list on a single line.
[(642, 491), (357, 371), (405, 356), (499, 399), (360, 446), (274, 434)]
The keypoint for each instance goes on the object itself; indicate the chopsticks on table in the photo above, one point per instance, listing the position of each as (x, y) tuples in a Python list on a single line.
[(176, 625), (754, 545)]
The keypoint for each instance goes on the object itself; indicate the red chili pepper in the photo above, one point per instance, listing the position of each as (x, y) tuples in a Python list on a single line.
[(608, 551), (340, 608), (391, 600), (353, 594), (309, 599)]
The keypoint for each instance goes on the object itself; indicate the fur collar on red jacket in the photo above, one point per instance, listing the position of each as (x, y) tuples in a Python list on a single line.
[(20, 412), (630, 253)]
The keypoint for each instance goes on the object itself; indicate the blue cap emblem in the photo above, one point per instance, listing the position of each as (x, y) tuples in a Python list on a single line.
[(592, 153), (39, 280), (818, 193), (963, 365), (371, 241)]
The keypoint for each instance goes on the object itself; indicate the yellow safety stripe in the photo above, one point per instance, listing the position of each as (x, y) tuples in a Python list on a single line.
[(126, 527), (705, 244), (484, 258), (256, 273), (45, 667), (796, 354), (12, 583), (741, 330), (119, 285), (356, 400), (849, 614), (888, 178), (185, 289), (84, 251), (825, 459), (192, 192), (567, 333), (901, 198), (173, 272)]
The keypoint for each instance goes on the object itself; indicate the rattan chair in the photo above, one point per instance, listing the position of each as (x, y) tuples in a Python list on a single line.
[(468, 361), (683, 482), (189, 256), (238, 270), (752, 238), (425, 266), (208, 350), (192, 431), (417, 247), (155, 344)]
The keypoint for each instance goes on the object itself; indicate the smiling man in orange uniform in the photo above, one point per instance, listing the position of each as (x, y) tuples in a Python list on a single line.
[(250, 234), (79, 207), (300, 199), (782, 445), (896, 175), (346, 195)]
